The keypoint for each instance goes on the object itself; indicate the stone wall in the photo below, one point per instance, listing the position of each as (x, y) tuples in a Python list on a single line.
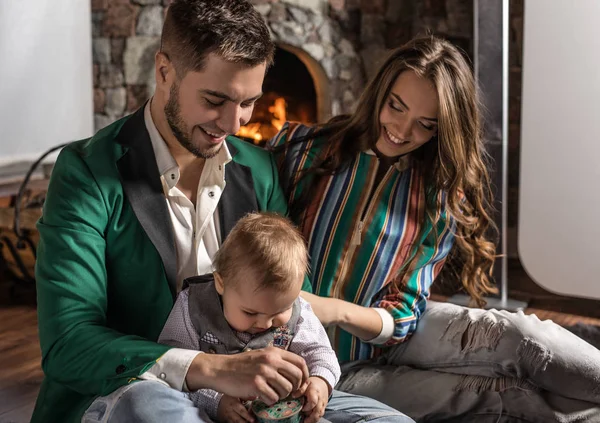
[(313, 33), (377, 25), (125, 37), (348, 38)]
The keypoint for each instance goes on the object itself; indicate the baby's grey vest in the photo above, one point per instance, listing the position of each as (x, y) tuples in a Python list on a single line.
[(216, 336)]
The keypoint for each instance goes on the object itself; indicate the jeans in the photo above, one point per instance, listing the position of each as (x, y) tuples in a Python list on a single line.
[(472, 365), (151, 401)]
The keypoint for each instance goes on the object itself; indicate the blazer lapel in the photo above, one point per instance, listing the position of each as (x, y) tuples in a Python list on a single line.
[(239, 197), (143, 188)]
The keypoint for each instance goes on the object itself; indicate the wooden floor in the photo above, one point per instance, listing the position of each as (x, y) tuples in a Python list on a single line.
[(20, 372)]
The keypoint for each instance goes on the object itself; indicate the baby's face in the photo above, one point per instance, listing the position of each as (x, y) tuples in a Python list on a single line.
[(252, 311)]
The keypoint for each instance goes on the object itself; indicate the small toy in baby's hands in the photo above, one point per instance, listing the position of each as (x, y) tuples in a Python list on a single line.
[(288, 410)]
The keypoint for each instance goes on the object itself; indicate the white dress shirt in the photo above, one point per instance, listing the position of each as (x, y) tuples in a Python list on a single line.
[(199, 222), (197, 238), (197, 235)]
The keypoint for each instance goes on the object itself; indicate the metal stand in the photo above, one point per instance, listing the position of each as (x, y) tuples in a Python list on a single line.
[(491, 32), (21, 277)]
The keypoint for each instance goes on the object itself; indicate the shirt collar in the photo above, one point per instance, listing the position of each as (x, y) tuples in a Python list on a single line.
[(167, 166), (401, 164)]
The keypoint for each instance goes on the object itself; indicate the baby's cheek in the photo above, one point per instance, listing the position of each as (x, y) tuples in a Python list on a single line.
[(236, 320), (282, 319)]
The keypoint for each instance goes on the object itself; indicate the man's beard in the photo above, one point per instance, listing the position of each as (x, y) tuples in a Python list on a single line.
[(177, 125)]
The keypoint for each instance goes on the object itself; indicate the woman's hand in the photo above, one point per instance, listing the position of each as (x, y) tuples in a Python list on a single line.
[(362, 322)]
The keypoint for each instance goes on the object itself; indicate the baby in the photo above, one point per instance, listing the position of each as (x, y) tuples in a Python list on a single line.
[(252, 301)]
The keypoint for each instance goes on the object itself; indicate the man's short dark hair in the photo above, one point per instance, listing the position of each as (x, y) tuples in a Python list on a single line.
[(233, 29)]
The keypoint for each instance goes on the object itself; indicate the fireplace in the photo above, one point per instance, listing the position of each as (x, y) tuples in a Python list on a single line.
[(317, 73), (289, 94)]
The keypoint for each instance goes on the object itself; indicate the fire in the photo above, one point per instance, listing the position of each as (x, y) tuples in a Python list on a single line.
[(251, 131), (258, 131), (278, 112)]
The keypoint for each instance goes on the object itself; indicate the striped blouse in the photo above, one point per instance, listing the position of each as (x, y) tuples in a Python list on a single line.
[(361, 236)]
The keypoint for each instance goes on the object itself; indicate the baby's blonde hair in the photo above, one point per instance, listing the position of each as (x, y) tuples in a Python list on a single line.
[(270, 246)]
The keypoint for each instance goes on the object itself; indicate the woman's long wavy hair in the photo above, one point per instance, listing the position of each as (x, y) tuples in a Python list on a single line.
[(453, 162)]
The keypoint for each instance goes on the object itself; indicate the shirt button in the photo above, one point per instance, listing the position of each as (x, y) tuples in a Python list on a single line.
[(163, 376), (211, 194), (212, 351), (120, 369), (247, 349), (172, 176)]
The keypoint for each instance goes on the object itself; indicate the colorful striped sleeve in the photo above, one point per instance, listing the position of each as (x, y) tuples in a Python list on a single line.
[(407, 303), (279, 138), (281, 156)]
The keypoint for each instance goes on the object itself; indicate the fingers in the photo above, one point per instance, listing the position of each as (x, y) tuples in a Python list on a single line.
[(266, 393), (316, 413), (315, 401), (268, 386), (300, 392), (270, 374), (242, 415), (293, 367), (283, 371), (311, 399), (293, 374), (231, 410), (233, 417), (281, 385)]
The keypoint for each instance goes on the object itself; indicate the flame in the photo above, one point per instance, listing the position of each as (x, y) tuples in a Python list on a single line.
[(258, 130), (251, 131), (278, 112)]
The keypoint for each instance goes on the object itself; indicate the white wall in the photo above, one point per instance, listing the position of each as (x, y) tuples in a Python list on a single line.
[(45, 75), (559, 205)]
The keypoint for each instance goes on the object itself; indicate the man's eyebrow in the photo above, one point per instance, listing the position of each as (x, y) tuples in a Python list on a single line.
[(224, 96)]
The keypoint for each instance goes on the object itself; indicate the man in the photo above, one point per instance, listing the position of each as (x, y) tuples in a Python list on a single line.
[(145, 203)]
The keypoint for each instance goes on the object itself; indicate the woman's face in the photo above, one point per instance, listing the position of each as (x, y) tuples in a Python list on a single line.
[(409, 116)]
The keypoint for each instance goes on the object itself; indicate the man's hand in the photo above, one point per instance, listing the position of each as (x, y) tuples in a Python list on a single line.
[(317, 397), (268, 374), (232, 410)]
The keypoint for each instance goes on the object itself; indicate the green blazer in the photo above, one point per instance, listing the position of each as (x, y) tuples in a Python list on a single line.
[(106, 262)]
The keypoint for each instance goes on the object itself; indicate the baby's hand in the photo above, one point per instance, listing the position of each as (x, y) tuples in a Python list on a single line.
[(317, 397), (232, 410)]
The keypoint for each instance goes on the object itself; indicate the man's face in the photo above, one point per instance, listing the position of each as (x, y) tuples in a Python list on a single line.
[(204, 107)]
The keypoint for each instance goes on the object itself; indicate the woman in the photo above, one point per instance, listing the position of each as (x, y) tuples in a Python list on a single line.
[(385, 198)]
